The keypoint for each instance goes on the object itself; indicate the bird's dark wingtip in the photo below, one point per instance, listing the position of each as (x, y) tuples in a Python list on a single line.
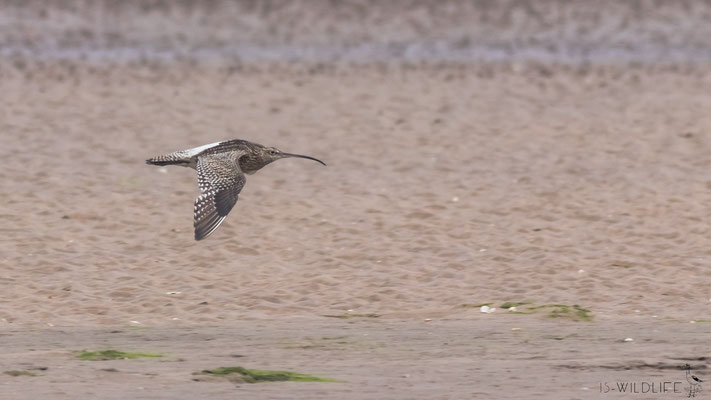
[(201, 234)]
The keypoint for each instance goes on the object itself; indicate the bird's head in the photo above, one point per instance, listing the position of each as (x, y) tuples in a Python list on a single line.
[(271, 154), (260, 156)]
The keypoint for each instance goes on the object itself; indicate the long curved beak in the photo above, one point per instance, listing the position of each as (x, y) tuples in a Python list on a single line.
[(300, 156)]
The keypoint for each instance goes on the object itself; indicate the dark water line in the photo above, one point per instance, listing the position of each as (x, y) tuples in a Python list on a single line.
[(570, 54)]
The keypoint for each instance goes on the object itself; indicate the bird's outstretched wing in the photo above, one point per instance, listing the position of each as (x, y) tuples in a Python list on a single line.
[(220, 180)]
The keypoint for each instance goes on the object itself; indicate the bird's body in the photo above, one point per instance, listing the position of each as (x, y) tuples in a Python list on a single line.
[(221, 167), (694, 380)]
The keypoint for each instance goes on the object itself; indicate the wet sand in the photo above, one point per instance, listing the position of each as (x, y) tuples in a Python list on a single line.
[(452, 358)]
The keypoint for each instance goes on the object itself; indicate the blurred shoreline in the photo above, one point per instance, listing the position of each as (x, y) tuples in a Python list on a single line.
[(660, 33)]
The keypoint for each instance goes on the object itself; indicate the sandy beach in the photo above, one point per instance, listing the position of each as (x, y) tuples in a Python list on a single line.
[(578, 192)]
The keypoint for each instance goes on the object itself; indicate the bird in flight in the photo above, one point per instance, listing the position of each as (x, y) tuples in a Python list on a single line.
[(220, 168)]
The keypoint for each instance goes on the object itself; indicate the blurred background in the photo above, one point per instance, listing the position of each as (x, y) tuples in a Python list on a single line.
[(551, 31)]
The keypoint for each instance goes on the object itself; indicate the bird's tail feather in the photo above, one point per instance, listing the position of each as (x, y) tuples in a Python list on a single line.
[(169, 159)]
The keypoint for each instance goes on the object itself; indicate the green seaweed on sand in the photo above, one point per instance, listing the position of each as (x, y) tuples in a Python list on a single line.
[(574, 312), (475, 305), (257, 375), (112, 355), (19, 373), (510, 304), (348, 316)]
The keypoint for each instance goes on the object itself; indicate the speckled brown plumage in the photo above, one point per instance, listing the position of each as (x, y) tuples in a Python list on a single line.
[(221, 167)]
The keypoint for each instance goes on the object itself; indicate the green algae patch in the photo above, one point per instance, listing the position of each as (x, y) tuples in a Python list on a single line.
[(510, 304), (258, 375), (349, 316), (19, 373), (562, 311), (475, 305), (574, 312), (113, 355)]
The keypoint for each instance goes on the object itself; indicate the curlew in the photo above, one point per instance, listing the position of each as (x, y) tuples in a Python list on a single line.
[(220, 168)]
